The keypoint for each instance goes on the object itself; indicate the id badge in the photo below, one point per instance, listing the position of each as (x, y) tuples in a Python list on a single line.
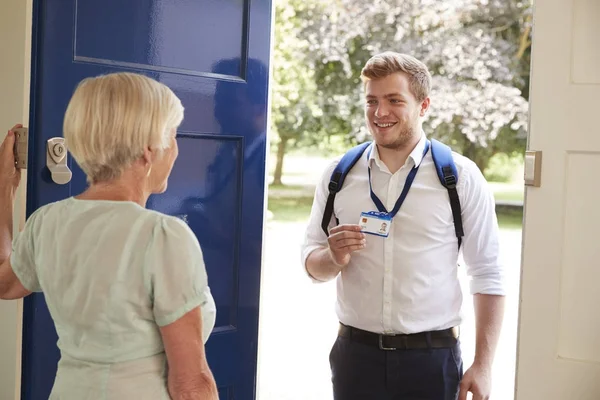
[(375, 223)]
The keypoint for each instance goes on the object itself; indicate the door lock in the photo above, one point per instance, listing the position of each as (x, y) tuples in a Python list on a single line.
[(58, 152), (56, 161)]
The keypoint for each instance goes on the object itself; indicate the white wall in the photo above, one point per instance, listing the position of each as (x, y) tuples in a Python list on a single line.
[(15, 51)]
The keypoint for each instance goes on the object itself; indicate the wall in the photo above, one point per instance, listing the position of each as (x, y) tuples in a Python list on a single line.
[(15, 47)]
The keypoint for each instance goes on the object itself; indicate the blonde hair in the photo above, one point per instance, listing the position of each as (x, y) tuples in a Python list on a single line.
[(112, 118), (387, 63)]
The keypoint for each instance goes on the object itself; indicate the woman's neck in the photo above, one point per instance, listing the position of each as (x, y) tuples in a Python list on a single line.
[(124, 188)]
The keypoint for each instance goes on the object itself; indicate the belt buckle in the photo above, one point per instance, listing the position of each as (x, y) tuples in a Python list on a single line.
[(381, 347), (456, 332)]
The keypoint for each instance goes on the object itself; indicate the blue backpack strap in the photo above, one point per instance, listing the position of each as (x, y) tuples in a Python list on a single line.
[(448, 174), (337, 181)]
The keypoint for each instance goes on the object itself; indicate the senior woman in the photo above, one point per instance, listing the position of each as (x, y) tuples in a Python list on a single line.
[(126, 286)]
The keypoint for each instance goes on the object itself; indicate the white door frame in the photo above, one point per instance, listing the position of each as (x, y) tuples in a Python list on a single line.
[(15, 73)]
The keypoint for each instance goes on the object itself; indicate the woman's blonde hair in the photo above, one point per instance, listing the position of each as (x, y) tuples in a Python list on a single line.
[(387, 63), (112, 118)]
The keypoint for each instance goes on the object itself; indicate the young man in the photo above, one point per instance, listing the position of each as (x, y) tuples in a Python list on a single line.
[(398, 296)]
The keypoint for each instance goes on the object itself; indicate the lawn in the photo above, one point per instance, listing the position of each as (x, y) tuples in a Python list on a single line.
[(292, 201), (508, 192), (290, 209), (292, 204)]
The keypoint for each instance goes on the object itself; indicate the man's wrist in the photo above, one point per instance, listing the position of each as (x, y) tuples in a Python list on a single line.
[(482, 363), (331, 258)]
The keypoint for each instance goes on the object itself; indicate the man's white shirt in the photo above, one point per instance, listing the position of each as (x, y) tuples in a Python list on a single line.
[(408, 282)]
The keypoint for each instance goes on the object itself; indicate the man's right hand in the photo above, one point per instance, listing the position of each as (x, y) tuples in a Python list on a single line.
[(343, 241)]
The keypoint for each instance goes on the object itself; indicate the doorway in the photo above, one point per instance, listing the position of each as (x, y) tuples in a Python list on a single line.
[(316, 91)]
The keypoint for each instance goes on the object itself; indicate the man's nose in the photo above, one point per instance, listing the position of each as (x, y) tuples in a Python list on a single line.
[(381, 111)]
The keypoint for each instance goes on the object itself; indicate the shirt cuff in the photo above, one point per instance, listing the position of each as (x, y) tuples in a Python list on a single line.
[(306, 251), (28, 281), (492, 284)]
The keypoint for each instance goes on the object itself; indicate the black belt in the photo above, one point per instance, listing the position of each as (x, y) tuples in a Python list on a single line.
[(424, 340)]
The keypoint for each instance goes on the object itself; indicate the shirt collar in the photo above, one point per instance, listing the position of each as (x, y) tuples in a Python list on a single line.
[(416, 155)]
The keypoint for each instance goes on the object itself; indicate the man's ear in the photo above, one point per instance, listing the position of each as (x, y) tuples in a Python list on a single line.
[(424, 106)]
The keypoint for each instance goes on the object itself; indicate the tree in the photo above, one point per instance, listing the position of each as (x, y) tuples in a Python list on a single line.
[(477, 50), (295, 110)]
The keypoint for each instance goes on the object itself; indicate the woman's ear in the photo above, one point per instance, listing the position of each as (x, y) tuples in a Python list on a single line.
[(148, 156)]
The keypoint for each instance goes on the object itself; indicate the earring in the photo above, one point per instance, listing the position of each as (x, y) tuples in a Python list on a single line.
[(149, 171)]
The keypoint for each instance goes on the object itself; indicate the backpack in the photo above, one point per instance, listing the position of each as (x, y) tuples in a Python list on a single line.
[(444, 165)]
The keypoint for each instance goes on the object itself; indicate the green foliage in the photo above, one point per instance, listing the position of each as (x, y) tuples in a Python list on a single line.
[(478, 53), (503, 167), (293, 86)]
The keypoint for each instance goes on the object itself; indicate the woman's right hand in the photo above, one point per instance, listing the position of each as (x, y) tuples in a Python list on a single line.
[(10, 175), (343, 241)]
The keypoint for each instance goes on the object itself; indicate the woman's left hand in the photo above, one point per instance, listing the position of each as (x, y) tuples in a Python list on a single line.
[(10, 176)]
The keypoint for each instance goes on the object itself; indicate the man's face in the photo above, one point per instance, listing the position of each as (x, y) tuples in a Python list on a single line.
[(392, 111)]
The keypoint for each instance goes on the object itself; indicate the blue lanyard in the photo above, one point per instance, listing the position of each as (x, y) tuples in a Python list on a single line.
[(409, 180)]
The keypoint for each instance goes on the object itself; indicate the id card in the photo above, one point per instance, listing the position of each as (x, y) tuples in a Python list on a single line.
[(375, 223)]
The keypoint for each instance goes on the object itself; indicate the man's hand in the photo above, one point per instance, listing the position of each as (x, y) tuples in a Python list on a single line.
[(343, 241), (326, 262), (10, 176), (477, 380), (489, 310)]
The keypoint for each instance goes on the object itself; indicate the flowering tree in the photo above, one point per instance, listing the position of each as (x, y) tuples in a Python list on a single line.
[(477, 51)]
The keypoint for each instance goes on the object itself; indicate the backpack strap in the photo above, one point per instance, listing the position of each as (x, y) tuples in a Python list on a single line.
[(337, 181), (448, 174)]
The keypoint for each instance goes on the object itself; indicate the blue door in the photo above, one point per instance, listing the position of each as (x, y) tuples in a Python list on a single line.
[(214, 54)]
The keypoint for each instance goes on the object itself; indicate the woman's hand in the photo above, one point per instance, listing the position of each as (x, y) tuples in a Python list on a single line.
[(10, 176)]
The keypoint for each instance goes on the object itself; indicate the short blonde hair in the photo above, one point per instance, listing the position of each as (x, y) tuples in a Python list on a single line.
[(112, 118), (389, 62)]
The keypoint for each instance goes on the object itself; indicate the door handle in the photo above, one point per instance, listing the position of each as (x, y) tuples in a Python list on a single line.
[(56, 160)]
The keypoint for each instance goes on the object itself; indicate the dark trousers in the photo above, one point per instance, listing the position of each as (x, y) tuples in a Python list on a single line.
[(364, 372)]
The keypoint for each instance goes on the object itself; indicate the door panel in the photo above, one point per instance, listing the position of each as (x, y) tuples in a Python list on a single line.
[(147, 31), (559, 331), (214, 54)]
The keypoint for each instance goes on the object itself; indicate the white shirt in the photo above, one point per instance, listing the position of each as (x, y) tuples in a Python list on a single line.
[(407, 282)]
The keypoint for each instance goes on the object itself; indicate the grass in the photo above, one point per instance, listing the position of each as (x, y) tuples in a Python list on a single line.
[(290, 209), (509, 192), (510, 218), (293, 203), (284, 190)]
